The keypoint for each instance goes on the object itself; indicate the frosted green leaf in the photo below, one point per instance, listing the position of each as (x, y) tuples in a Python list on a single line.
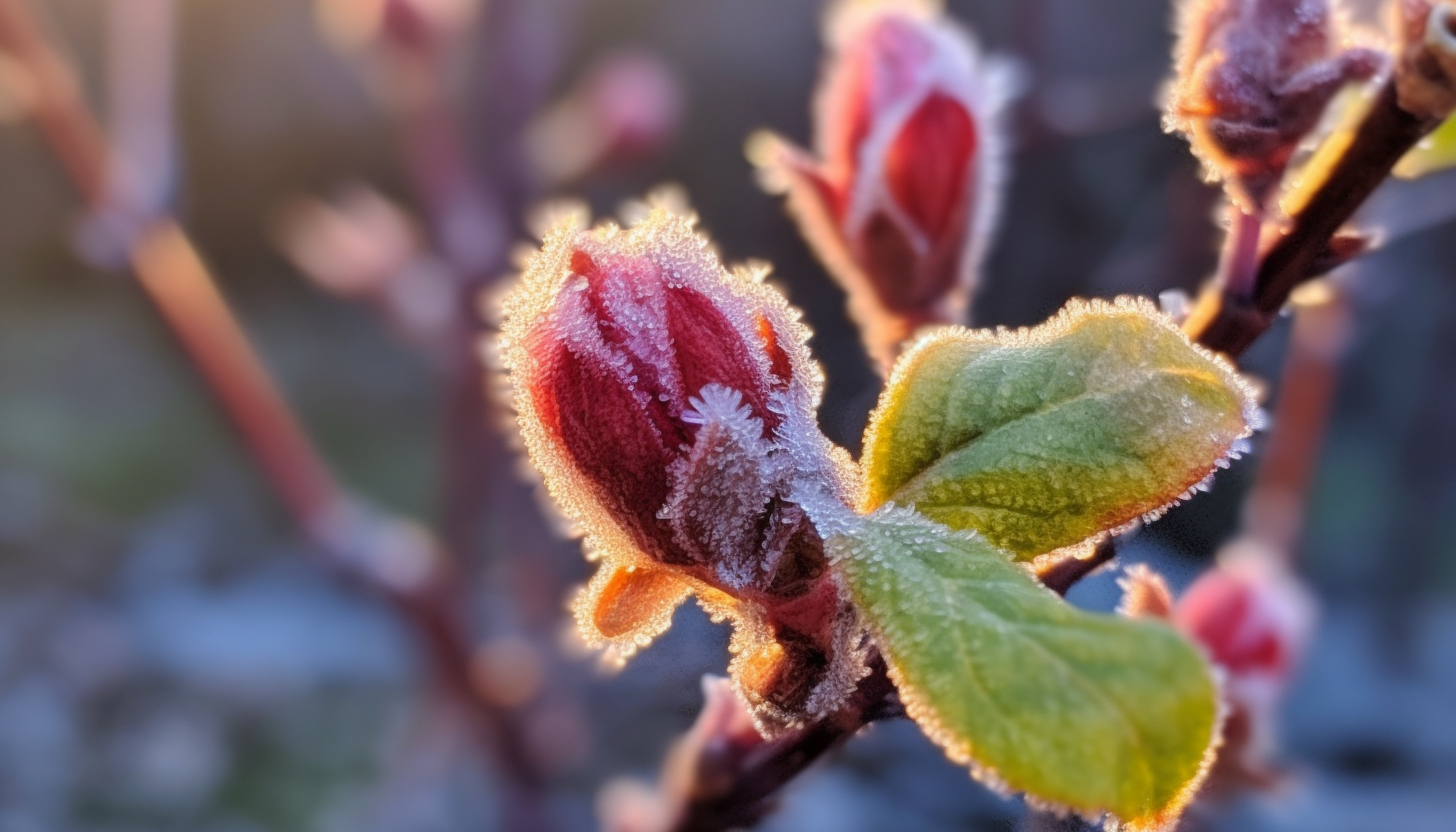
[(1088, 712), (1042, 438), (1435, 152)]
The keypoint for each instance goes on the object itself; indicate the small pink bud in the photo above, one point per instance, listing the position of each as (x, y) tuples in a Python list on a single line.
[(668, 403), (903, 196), (1254, 619), (1252, 78), (636, 100)]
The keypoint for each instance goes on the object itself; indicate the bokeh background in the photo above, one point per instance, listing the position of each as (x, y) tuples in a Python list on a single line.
[(172, 659)]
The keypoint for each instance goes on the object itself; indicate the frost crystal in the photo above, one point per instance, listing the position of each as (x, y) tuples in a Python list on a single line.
[(1252, 78), (669, 405)]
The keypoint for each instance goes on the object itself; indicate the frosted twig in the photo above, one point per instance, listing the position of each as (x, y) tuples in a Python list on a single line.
[(732, 785), (1230, 322)]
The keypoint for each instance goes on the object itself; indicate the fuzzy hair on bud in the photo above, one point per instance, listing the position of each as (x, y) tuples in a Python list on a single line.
[(1252, 78), (900, 197), (668, 404)]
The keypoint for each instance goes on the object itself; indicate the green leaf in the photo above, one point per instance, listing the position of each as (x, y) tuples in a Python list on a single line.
[(1045, 437), (1436, 152), (1094, 713)]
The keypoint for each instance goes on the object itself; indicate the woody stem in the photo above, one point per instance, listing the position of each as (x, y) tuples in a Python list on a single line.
[(1228, 320)]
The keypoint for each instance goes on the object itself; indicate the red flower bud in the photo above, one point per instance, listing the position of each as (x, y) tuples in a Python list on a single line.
[(1254, 619), (1252, 78), (669, 406), (903, 197)]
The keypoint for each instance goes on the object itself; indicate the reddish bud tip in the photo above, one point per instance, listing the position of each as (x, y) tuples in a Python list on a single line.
[(902, 197), (1253, 618), (668, 404)]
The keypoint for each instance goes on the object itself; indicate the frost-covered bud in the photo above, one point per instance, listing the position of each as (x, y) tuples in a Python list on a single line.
[(668, 403), (1425, 69), (901, 199), (1254, 618), (1251, 80)]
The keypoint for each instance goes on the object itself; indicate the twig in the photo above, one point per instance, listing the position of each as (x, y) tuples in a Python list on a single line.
[(1227, 319), (731, 785), (1062, 575), (1229, 322), (386, 554), (72, 135), (1240, 259)]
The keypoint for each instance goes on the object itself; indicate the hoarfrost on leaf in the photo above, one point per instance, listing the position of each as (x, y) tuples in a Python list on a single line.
[(1044, 438), (1084, 712)]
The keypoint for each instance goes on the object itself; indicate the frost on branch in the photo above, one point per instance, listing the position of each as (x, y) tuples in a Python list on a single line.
[(669, 406), (900, 201), (1251, 80)]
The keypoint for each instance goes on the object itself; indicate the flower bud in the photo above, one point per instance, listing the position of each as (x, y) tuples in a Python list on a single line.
[(669, 406), (902, 198), (1425, 69), (1254, 619), (1252, 79)]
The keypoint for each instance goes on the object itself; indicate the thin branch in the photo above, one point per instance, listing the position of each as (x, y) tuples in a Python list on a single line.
[(733, 785), (1240, 260), (1062, 575), (1228, 321), (182, 291), (72, 135)]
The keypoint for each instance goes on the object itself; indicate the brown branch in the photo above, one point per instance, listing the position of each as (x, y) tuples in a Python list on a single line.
[(386, 554), (1062, 575), (183, 293), (1230, 321), (715, 783), (731, 785), (72, 135)]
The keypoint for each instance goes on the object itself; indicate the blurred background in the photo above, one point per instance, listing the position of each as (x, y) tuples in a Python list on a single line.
[(172, 658)]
